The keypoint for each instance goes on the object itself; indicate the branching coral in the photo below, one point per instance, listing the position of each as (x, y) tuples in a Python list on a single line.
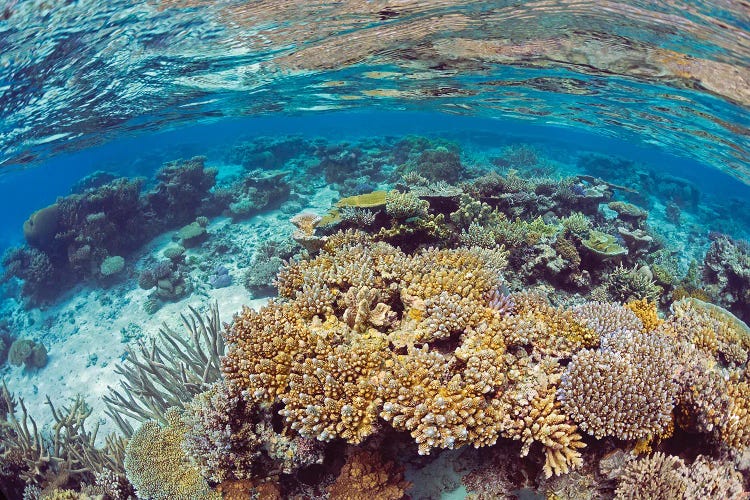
[(439, 409), (331, 395), (69, 451), (632, 284), (220, 434), (429, 343), (405, 205), (638, 368), (667, 476), (533, 415), (711, 328), (168, 373)]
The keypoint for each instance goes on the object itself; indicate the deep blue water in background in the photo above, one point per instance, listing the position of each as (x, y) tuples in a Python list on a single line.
[(25, 190)]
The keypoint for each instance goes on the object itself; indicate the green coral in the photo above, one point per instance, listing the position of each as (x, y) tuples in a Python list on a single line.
[(157, 466), (111, 265), (174, 253), (637, 283), (471, 210), (603, 245), (577, 223), (19, 350), (26, 351), (192, 235), (521, 232), (405, 205)]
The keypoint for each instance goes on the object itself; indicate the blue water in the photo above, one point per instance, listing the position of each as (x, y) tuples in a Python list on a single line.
[(537, 114)]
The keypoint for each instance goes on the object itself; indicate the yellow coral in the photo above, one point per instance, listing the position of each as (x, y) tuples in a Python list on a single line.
[(531, 414), (158, 468), (647, 312), (331, 394), (735, 430), (557, 330), (367, 200)]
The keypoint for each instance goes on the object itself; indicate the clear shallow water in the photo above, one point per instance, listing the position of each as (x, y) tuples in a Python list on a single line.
[(536, 110), (673, 74)]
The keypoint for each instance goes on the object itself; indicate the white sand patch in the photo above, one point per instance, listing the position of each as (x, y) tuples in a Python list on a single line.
[(84, 336)]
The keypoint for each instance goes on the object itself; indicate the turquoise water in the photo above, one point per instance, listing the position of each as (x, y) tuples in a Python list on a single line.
[(489, 249)]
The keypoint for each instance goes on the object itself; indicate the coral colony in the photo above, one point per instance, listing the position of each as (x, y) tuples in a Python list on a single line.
[(525, 322)]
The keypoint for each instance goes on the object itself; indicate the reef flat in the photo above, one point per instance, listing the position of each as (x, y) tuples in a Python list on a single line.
[(402, 317)]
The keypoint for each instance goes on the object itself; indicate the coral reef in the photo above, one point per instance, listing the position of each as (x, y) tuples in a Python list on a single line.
[(523, 328), (28, 353), (726, 272), (157, 466), (78, 237), (366, 475), (638, 368)]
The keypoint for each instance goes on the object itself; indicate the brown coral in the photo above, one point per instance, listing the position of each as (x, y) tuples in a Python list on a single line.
[(625, 389), (367, 476), (531, 415), (712, 329)]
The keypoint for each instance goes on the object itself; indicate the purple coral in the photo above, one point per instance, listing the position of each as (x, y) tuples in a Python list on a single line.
[(501, 301), (220, 278)]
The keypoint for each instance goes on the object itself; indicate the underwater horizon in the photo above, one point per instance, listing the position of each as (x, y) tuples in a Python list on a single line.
[(374, 249)]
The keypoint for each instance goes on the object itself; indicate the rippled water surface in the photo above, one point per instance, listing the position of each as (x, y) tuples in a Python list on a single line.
[(299, 249), (675, 74)]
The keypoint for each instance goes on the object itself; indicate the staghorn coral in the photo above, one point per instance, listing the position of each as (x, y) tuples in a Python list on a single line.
[(169, 372), (367, 475), (726, 273), (471, 210), (405, 205), (714, 479), (638, 368), (703, 399), (65, 453), (478, 236), (157, 466), (659, 476)]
